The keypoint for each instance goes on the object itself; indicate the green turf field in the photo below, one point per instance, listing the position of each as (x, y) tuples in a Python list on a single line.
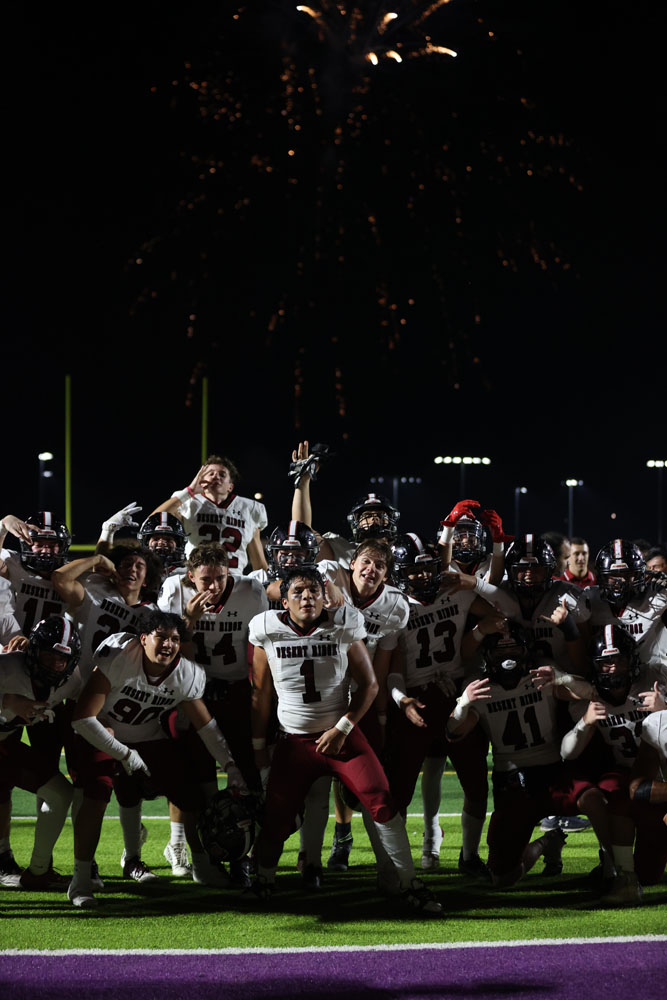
[(175, 913)]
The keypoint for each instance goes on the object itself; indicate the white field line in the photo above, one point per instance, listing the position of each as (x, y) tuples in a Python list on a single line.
[(447, 946), (331, 816)]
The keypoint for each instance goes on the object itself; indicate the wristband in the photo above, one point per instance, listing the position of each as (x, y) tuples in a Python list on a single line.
[(182, 495), (106, 534), (396, 688), (643, 791), (498, 548), (447, 534), (258, 743), (477, 634), (561, 679), (344, 725)]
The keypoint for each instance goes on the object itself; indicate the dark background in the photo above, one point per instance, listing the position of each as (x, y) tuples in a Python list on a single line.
[(537, 331)]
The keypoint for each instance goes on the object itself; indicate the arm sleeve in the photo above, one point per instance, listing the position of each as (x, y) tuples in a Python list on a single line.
[(94, 732), (575, 742)]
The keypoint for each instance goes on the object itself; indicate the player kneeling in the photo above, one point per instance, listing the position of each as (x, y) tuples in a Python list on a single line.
[(137, 682)]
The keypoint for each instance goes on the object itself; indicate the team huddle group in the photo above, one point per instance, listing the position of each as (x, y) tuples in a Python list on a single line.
[(192, 642)]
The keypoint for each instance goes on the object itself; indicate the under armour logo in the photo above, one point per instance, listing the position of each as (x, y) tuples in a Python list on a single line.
[(232, 614)]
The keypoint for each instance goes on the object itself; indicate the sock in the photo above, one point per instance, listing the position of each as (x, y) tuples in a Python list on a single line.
[(394, 838), (130, 822), (432, 769), (471, 832), (553, 849), (316, 817), (81, 873), (623, 857), (607, 862), (269, 874), (343, 830), (55, 796), (77, 802), (177, 833), (4, 844)]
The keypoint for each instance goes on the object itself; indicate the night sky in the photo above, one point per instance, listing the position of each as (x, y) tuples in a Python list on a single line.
[(507, 205)]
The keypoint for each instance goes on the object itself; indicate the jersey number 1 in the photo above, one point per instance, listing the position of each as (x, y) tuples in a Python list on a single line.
[(311, 693)]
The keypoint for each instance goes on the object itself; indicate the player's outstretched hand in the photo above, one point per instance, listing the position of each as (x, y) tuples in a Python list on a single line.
[(495, 525), (559, 614), (595, 712), (541, 677), (199, 480), (235, 779), (464, 508), (653, 700), (123, 518), (16, 644), (411, 708), (20, 529), (478, 690), (197, 605)]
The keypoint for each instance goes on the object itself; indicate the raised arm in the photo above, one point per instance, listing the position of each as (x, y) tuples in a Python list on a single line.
[(66, 578)]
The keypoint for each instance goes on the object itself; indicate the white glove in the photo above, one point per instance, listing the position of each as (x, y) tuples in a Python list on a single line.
[(121, 519), (235, 779), (135, 763)]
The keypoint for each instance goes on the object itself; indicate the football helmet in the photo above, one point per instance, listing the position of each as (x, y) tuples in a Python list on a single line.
[(160, 529), (530, 563), (373, 516), (469, 541), (226, 826), (621, 571), (417, 567), (507, 655), (610, 644), (296, 546), (53, 635), (48, 529)]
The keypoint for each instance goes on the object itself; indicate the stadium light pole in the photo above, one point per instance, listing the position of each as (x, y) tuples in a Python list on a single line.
[(463, 463), (571, 484), (396, 482), (659, 464), (44, 473), (518, 491)]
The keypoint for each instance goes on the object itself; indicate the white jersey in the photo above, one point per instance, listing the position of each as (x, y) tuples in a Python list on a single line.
[(521, 725), (309, 669), (482, 571), (432, 638), (9, 627), (342, 548), (622, 727), (654, 732), (221, 635), (15, 679), (232, 523), (34, 598), (549, 641), (385, 613), (103, 613), (643, 618), (137, 703)]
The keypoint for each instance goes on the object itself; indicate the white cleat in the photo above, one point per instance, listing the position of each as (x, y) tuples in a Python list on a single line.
[(177, 856), (80, 894)]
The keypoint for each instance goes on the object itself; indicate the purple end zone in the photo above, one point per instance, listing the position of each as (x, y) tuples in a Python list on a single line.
[(632, 970)]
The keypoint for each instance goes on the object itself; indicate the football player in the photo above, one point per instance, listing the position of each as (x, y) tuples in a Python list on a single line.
[(137, 683), (211, 511), (32, 683), (371, 517), (385, 611), (431, 646), (217, 609), (648, 791), (625, 693), (164, 535), (306, 656), (519, 719), (625, 596)]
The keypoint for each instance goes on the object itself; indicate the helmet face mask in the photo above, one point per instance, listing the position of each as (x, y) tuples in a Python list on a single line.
[(51, 641), (507, 656), (621, 572), (158, 532), (615, 663), (48, 544), (373, 516), (417, 568), (296, 546), (469, 542), (530, 564)]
